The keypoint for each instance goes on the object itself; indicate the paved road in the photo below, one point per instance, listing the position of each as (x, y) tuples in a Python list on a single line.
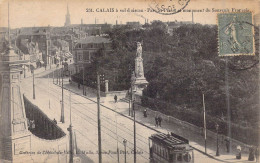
[(115, 128)]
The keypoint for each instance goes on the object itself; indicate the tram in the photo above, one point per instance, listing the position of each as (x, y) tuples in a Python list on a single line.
[(170, 148)]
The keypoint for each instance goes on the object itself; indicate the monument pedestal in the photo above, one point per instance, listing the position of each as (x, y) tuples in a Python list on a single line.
[(14, 135), (138, 78), (139, 85)]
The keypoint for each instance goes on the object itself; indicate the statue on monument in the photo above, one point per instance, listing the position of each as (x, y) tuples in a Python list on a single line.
[(139, 50), (139, 62)]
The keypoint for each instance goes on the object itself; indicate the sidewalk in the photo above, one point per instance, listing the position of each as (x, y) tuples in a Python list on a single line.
[(196, 141)]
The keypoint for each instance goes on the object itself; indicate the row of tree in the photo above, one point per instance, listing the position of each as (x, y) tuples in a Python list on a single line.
[(184, 65)]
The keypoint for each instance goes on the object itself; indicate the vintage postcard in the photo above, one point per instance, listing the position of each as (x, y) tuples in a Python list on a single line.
[(143, 81)]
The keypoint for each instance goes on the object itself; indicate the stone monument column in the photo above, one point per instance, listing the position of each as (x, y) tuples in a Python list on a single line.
[(140, 81), (14, 134)]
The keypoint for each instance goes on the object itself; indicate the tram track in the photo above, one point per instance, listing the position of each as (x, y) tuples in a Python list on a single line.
[(87, 118)]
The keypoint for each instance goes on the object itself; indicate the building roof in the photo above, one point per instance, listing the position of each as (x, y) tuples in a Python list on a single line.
[(94, 39), (168, 140)]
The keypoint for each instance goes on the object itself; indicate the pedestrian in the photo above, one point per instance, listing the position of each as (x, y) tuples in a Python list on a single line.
[(156, 121), (33, 125), (45, 65), (257, 154), (29, 124), (238, 152), (115, 98), (160, 120), (145, 113), (227, 144), (251, 156), (78, 86), (55, 121)]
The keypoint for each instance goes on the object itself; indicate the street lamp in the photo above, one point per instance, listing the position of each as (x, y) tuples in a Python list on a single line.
[(124, 142), (131, 99), (33, 84), (217, 152), (83, 79), (98, 117)]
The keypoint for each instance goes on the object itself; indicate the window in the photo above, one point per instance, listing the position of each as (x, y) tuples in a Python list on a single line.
[(86, 55), (179, 157), (187, 157)]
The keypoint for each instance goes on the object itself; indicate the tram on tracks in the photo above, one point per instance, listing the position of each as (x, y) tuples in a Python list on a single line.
[(170, 148)]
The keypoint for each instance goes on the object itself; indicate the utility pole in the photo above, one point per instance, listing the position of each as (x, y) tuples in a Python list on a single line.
[(98, 117), (53, 77), (133, 109), (71, 148), (33, 84), (228, 104), (49, 92), (116, 135), (131, 97), (205, 126), (59, 74), (50, 51), (124, 142), (132, 100), (83, 80), (134, 133), (62, 98)]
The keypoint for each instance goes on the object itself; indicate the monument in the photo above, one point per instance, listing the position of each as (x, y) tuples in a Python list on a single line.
[(139, 82), (14, 134)]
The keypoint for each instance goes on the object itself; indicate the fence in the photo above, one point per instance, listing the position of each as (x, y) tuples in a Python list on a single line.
[(45, 128), (187, 115)]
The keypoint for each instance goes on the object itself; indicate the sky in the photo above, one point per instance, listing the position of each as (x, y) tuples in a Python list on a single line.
[(29, 13)]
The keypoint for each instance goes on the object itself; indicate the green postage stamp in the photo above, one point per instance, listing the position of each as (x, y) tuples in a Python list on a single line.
[(235, 34)]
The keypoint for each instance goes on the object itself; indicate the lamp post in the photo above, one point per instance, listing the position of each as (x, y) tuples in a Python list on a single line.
[(59, 76), (83, 79), (133, 112), (56, 74), (131, 89), (71, 145), (33, 84), (131, 99), (124, 142), (53, 77), (62, 96), (98, 117), (217, 152)]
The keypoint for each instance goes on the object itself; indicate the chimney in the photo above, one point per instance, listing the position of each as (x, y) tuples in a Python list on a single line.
[(192, 18)]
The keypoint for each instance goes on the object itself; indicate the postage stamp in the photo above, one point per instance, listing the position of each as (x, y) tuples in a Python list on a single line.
[(235, 34)]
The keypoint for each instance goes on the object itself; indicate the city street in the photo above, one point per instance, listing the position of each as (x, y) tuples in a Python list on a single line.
[(114, 127)]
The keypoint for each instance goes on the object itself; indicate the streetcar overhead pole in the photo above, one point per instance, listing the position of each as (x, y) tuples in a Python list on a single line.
[(71, 145), (98, 117), (133, 109), (205, 125), (33, 84), (62, 98)]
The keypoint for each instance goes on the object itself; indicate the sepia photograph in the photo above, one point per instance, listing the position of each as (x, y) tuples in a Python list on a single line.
[(129, 81)]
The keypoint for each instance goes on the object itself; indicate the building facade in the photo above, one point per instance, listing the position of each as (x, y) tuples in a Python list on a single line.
[(84, 50)]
